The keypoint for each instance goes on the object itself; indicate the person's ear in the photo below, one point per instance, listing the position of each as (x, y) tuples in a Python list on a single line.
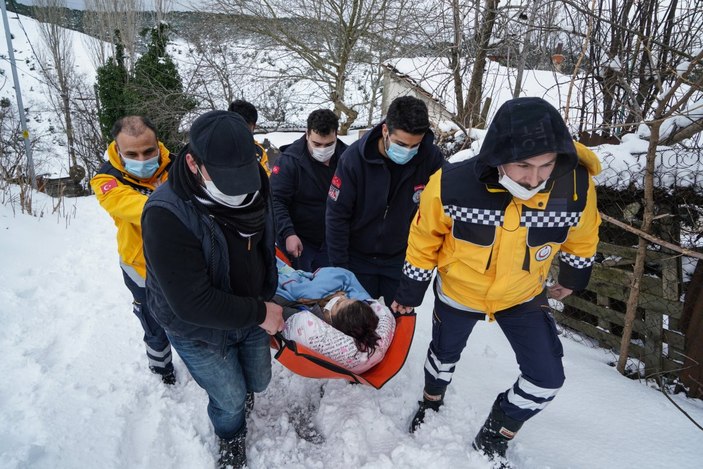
[(192, 165)]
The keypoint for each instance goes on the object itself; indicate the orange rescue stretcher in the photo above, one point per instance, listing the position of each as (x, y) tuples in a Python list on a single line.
[(306, 362)]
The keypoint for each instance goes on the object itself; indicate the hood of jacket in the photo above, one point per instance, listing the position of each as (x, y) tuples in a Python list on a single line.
[(523, 128)]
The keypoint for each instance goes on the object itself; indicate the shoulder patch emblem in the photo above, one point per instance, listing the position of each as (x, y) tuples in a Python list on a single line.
[(276, 169), (337, 182), (108, 186), (418, 192), (543, 253), (333, 193)]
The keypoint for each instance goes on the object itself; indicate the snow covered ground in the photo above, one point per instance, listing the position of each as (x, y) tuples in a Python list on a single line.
[(75, 391)]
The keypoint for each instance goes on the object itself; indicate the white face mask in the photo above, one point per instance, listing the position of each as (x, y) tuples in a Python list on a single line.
[(518, 190), (233, 201), (323, 155), (332, 302)]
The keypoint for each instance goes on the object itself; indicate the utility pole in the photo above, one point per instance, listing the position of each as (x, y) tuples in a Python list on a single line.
[(18, 93)]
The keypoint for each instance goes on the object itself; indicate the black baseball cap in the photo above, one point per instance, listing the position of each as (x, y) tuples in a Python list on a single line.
[(225, 145)]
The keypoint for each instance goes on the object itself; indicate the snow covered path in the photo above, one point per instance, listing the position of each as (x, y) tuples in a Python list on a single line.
[(75, 391)]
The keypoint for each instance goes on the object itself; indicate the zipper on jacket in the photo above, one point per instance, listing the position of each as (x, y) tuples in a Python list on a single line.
[(385, 212)]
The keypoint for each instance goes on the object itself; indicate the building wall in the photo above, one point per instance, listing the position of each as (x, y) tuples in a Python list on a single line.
[(394, 87)]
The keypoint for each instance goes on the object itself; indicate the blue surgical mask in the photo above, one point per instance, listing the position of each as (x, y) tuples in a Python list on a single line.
[(141, 169), (399, 154)]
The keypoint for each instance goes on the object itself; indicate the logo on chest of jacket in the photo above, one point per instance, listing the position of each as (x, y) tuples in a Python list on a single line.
[(543, 253), (418, 192), (276, 170)]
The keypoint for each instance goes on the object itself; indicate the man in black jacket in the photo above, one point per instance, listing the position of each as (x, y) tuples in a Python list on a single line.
[(211, 269), (374, 195), (300, 181)]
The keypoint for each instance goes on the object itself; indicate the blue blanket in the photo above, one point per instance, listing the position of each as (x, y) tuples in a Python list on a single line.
[(294, 284)]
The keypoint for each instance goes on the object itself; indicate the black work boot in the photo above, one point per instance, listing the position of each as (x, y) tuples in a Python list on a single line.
[(425, 403), (233, 452), (169, 378), (496, 433), (168, 375)]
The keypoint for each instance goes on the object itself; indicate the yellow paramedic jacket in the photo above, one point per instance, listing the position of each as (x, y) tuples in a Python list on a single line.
[(263, 158), (493, 251), (124, 196)]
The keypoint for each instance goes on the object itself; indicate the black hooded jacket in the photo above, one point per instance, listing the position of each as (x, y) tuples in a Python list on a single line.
[(490, 229)]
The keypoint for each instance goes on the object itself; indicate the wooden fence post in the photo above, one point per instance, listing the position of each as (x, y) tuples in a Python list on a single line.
[(654, 320)]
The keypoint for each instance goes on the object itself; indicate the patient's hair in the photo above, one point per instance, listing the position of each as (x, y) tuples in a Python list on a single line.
[(358, 321)]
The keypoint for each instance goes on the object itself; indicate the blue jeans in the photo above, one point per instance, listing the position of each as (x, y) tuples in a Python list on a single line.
[(158, 349), (242, 365)]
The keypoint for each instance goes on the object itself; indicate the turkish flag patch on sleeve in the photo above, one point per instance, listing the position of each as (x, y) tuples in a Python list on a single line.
[(276, 170), (108, 186), (337, 182)]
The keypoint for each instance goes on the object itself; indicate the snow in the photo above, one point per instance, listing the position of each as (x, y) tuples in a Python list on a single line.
[(42, 122), (433, 74), (76, 390), (623, 165)]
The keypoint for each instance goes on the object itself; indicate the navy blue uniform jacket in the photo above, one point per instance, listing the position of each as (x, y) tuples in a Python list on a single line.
[(362, 216), (299, 184)]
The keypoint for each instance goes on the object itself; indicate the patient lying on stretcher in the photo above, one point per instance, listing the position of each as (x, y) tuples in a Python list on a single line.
[(329, 312)]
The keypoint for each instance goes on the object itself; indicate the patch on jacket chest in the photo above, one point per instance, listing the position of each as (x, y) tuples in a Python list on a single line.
[(543, 253)]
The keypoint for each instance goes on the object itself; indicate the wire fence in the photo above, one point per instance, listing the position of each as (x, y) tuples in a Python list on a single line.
[(667, 327)]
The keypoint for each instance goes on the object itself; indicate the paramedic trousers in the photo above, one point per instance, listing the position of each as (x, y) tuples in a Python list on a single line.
[(228, 373), (532, 334), (158, 349)]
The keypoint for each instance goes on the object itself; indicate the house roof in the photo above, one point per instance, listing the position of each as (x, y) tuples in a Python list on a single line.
[(432, 77)]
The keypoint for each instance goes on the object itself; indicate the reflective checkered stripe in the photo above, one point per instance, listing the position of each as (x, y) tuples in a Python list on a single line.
[(416, 273), (541, 219), (479, 216), (576, 262)]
